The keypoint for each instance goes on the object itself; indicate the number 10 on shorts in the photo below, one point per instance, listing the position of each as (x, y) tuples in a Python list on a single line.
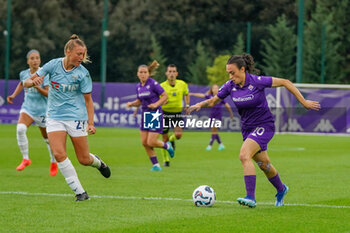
[(258, 131)]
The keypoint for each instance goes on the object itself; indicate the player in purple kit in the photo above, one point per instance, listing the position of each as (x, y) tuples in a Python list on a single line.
[(150, 95), (247, 92), (215, 113)]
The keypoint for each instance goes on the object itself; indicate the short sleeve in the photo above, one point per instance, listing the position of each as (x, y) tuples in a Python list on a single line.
[(224, 90), (157, 88), (21, 77), (46, 81), (46, 69), (137, 92), (263, 81), (86, 84), (185, 88)]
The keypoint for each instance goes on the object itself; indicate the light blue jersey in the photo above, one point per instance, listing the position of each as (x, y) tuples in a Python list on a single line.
[(66, 100), (34, 102)]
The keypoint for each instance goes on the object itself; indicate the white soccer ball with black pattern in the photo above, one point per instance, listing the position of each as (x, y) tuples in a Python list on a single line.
[(204, 196)]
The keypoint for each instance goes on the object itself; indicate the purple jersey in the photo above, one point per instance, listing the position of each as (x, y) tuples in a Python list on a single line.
[(250, 99), (149, 94), (216, 111)]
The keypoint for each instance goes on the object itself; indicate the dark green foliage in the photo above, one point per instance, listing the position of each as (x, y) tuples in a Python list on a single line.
[(239, 46), (159, 57), (197, 70), (177, 26), (340, 21), (279, 50), (323, 15)]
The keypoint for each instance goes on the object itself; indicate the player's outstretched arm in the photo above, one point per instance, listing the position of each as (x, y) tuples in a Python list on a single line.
[(18, 90), (204, 104), (308, 104), (200, 95), (135, 103)]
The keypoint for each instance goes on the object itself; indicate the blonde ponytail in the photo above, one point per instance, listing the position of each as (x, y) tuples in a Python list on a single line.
[(73, 40), (152, 68)]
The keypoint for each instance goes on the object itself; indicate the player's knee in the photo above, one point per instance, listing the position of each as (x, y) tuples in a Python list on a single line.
[(152, 143), (21, 129), (244, 157), (264, 166), (86, 160), (144, 142), (59, 154)]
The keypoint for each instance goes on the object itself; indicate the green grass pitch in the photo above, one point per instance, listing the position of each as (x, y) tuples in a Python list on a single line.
[(133, 199)]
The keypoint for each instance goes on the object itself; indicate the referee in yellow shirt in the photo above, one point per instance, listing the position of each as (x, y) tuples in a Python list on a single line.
[(176, 90)]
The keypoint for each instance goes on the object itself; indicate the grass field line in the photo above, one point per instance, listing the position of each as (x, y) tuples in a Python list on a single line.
[(288, 149), (167, 199)]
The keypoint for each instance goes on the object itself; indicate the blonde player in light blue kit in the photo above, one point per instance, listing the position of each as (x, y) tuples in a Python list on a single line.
[(33, 110), (70, 111)]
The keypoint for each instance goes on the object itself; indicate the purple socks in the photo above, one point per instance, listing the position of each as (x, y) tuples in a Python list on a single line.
[(218, 138), (277, 183), (154, 160), (250, 181), (212, 139)]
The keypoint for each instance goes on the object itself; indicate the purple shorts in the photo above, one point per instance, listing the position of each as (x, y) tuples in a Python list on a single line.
[(147, 126), (216, 116), (262, 134)]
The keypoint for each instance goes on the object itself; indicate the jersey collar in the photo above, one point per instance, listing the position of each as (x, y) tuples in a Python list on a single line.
[(170, 84), (246, 83), (67, 71)]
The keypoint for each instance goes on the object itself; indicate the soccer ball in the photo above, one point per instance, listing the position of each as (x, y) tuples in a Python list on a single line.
[(204, 196)]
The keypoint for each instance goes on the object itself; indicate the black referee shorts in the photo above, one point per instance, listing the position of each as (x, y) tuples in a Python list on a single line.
[(171, 118)]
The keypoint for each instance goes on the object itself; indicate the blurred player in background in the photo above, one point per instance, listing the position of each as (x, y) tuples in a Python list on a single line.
[(215, 113), (150, 96), (70, 111), (33, 110), (258, 128), (176, 90)]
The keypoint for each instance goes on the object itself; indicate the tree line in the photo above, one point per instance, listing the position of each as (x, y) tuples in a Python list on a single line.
[(198, 36)]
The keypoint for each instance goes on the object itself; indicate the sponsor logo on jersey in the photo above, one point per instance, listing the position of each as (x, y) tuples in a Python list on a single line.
[(55, 85), (64, 87), (146, 93), (243, 98)]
